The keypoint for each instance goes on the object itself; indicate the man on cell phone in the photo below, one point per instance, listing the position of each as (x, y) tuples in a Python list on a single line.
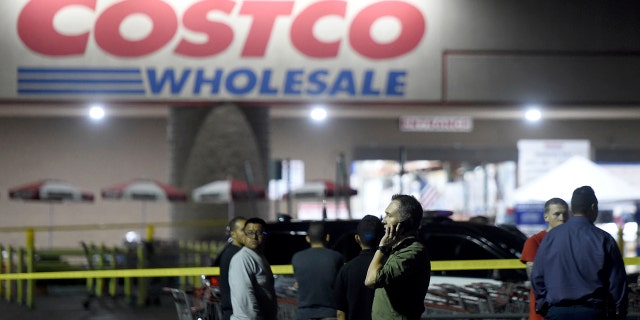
[(400, 268)]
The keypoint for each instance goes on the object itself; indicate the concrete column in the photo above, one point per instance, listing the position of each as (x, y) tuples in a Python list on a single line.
[(215, 143)]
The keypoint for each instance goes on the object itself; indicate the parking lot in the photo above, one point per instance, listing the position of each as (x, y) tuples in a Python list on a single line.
[(65, 303)]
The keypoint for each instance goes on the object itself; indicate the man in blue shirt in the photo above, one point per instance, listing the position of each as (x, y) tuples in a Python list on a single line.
[(578, 271)]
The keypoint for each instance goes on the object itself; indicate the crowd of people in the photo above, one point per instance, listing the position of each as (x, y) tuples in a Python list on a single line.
[(576, 269)]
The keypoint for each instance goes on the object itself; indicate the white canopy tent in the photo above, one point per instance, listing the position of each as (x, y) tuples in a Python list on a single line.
[(571, 174)]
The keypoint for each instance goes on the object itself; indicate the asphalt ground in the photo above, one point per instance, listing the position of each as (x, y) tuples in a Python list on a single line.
[(67, 304)]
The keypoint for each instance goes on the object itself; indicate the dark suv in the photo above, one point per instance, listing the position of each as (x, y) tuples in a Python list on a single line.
[(445, 239)]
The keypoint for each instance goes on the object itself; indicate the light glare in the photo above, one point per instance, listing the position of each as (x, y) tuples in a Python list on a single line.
[(96, 113), (318, 114), (533, 115), (132, 237)]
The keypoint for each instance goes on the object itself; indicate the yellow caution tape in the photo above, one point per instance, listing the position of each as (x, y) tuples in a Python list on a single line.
[(123, 273), (276, 269), (477, 264)]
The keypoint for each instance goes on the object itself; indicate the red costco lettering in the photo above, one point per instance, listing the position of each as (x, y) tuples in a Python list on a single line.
[(302, 36), (219, 34), (413, 28), (264, 15), (109, 38), (37, 32), (35, 28)]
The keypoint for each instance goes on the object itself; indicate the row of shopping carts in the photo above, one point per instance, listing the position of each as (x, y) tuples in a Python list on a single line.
[(203, 303), (442, 301), (479, 298)]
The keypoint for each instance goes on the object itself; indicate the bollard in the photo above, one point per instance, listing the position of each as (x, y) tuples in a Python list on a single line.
[(197, 261), (30, 235), (142, 283), (150, 230), (146, 281), (9, 268), (182, 280), (20, 283), (114, 266), (127, 287), (100, 266), (3, 283), (91, 282), (128, 293), (191, 245)]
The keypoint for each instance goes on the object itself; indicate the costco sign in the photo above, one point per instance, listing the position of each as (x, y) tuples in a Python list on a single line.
[(262, 16), (266, 50)]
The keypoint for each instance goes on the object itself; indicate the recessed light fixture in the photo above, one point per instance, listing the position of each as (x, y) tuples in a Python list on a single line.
[(96, 112), (318, 114), (533, 114)]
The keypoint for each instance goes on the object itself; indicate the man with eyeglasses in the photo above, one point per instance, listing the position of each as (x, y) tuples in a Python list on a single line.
[(253, 294)]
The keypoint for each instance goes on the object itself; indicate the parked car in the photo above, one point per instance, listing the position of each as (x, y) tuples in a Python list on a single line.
[(450, 292), (445, 239)]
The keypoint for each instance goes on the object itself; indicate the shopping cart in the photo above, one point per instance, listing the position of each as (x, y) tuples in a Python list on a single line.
[(199, 304), (90, 254), (287, 307)]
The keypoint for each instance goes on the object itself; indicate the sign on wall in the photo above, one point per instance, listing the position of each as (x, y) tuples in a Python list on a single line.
[(225, 50), (436, 124), (537, 157), (445, 52)]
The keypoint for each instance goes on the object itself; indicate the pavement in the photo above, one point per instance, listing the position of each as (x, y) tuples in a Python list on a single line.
[(67, 304)]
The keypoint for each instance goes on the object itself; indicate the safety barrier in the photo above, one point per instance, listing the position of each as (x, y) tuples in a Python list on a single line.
[(21, 267), (10, 280)]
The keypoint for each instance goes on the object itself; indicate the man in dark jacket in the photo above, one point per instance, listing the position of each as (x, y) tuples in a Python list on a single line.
[(353, 298), (234, 230)]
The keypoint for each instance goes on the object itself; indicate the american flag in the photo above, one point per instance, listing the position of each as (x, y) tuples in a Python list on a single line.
[(428, 194)]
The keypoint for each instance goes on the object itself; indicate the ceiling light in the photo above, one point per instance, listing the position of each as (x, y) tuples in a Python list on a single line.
[(96, 113), (533, 114), (318, 114)]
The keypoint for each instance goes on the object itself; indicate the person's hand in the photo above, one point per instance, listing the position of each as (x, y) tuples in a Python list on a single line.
[(390, 233)]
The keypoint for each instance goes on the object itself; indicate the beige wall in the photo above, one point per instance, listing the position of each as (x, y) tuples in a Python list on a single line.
[(89, 155)]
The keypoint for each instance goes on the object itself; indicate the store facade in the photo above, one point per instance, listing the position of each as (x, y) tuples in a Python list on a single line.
[(208, 61)]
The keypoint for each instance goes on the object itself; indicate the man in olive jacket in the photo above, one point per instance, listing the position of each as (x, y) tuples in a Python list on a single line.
[(400, 268)]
